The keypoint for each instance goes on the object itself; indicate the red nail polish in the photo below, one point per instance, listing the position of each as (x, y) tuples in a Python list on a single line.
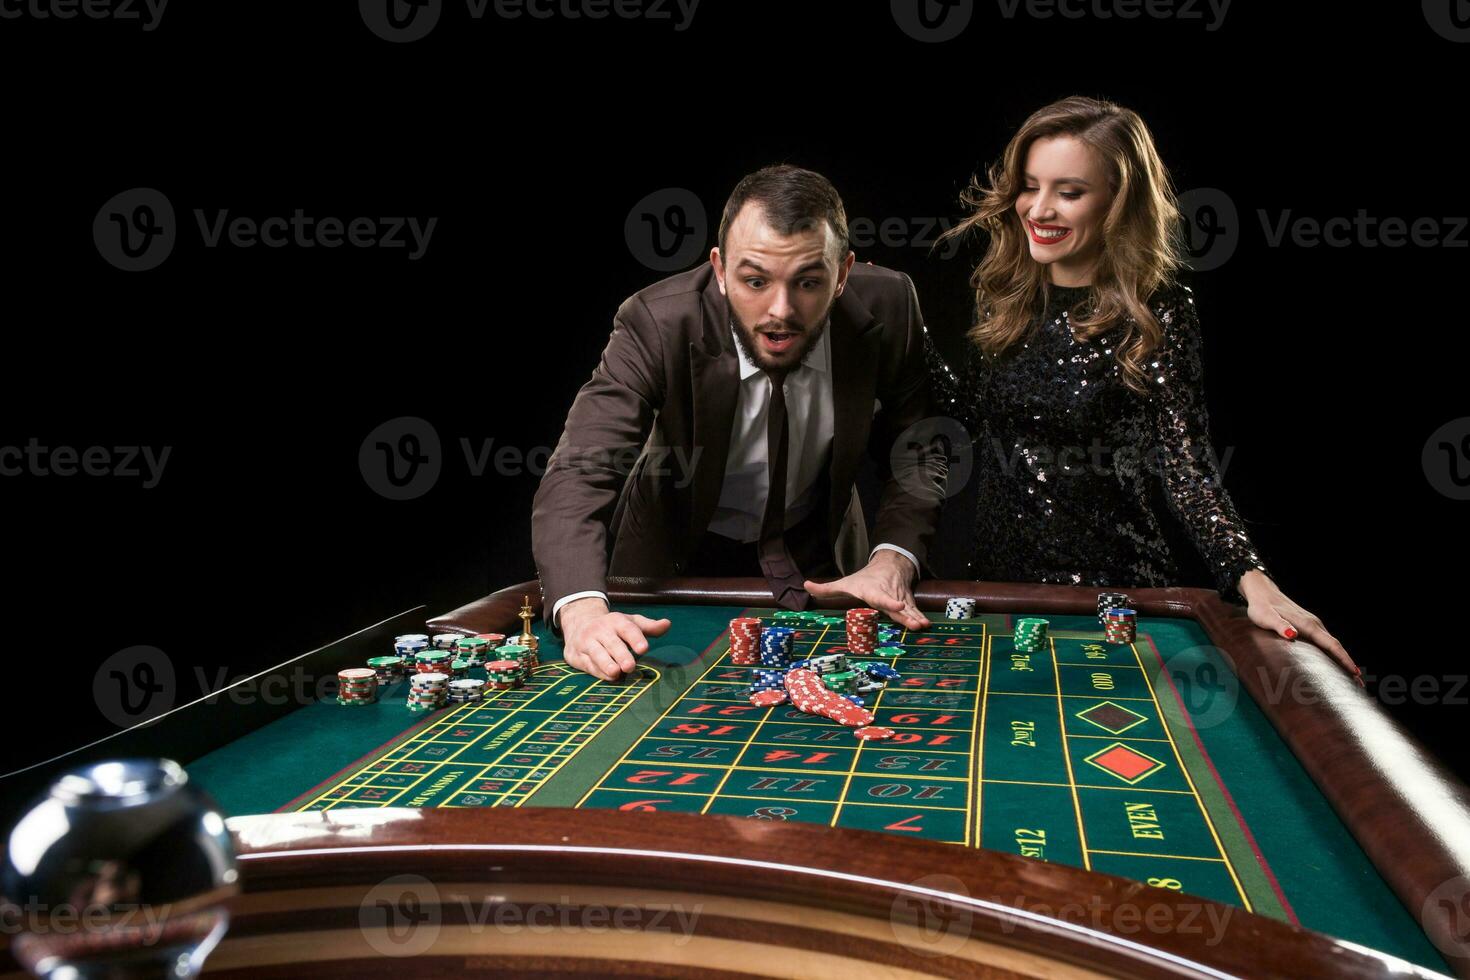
[(1290, 633)]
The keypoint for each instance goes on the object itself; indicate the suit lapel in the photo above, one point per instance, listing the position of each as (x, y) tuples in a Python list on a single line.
[(854, 342), (714, 369)]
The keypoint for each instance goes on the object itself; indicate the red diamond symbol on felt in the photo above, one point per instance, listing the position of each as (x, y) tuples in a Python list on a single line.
[(1112, 718), (1127, 764)]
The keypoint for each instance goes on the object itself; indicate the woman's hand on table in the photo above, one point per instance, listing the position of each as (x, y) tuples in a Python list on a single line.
[(1271, 609)]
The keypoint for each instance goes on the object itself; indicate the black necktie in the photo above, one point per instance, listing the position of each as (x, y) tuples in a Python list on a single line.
[(780, 570)]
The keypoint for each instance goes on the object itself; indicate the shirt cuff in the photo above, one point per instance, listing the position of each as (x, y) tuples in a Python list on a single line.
[(893, 547), (556, 609)]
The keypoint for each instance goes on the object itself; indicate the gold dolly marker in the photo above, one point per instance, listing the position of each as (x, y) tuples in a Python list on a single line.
[(527, 638)]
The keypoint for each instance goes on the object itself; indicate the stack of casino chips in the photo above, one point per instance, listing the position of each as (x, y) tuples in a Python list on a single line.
[(1111, 600), (357, 685), (524, 657), (410, 644), (1120, 625), (388, 669), (502, 675), (465, 690), (1031, 635), (842, 681), (428, 691), (775, 647), (432, 661), (862, 631), (873, 677), (472, 650), (889, 633), (444, 641), (827, 663), (459, 669), (767, 679), (959, 607), (745, 638)]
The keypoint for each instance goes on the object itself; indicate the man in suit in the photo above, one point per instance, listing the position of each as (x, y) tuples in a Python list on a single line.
[(744, 392)]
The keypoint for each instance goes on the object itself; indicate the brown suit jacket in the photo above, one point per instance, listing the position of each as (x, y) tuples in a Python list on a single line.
[(641, 462)]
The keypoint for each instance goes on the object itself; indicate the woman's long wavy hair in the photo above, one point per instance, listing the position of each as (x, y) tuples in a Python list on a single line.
[(1142, 246)]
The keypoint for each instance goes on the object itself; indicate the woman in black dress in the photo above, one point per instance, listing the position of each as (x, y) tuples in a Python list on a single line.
[(1082, 381)]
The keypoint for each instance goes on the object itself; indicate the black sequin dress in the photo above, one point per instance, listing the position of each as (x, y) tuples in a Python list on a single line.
[(1081, 480)]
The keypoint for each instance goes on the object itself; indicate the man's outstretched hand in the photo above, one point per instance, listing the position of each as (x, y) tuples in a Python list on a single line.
[(604, 643), (884, 583)]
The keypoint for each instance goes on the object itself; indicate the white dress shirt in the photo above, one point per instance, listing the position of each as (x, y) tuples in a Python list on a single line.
[(809, 425)]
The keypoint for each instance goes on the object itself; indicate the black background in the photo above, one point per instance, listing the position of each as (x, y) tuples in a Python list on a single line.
[(531, 141)]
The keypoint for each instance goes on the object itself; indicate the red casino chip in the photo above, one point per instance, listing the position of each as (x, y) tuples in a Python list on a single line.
[(874, 733), (767, 699)]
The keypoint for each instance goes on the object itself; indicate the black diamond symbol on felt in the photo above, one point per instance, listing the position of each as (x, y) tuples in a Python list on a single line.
[(1112, 718)]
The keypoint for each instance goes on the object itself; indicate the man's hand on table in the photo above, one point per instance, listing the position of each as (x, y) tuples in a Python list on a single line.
[(884, 583), (604, 643)]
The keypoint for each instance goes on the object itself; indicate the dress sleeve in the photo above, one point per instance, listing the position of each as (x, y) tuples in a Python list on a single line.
[(955, 394), (1189, 464)]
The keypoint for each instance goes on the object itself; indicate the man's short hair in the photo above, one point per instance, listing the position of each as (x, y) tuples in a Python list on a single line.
[(793, 200)]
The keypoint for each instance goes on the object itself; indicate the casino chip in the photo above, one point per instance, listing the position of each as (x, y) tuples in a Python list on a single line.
[(1030, 635), (357, 685), (959, 607), (1120, 626), (1111, 600), (873, 733), (767, 699)]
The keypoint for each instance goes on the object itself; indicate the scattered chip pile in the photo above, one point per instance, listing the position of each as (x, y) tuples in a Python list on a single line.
[(438, 669), (829, 685), (959, 608), (357, 685)]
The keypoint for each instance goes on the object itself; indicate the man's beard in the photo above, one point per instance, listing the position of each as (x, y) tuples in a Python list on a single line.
[(745, 337)]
